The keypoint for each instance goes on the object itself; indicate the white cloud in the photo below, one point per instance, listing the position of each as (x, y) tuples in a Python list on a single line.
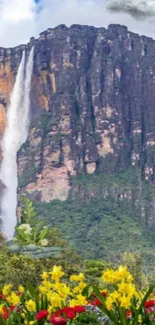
[(20, 20), (91, 12), (15, 11), (17, 21)]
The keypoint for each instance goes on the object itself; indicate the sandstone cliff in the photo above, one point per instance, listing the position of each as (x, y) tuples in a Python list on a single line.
[(92, 106)]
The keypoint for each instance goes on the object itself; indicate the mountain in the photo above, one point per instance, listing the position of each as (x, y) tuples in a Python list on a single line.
[(91, 145)]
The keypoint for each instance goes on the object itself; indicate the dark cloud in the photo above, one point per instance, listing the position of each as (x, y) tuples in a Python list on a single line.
[(139, 9)]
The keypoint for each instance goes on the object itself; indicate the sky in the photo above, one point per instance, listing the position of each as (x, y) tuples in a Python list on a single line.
[(21, 19)]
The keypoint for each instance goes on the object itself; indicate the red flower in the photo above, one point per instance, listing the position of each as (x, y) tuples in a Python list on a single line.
[(63, 310), (96, 302), (19, 293), (5, 313), (129, 314), (41, 314), (149, 303), (57, 320), (12, 308), (70, 314), (1, 296), (79, 309)]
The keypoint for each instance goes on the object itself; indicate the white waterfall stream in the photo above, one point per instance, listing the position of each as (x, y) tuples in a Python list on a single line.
[(15, 135)]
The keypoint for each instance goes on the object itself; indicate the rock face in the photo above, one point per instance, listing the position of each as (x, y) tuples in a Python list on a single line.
[(92, 106)]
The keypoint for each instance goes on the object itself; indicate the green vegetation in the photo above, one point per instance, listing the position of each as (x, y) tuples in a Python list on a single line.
[(103, 217), (95, 229), (28, 176), (19, 268), (87, 318)]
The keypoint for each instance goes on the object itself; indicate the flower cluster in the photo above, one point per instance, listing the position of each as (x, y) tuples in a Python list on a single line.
[(125, 289), (53, 301), (25, 234), (66, 313), (59, 293), (123, 303), (61, 301)]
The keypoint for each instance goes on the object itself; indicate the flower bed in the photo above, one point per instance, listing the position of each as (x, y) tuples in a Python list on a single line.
[(62, 301)]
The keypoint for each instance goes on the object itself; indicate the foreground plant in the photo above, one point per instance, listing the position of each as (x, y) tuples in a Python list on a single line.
[(30, 231), (123, 304), (55, 300), (60, 301)]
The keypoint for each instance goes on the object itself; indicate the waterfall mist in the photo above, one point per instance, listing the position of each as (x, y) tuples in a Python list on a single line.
[(15, 135)]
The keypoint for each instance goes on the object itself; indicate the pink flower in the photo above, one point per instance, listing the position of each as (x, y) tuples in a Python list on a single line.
[(57, 320)]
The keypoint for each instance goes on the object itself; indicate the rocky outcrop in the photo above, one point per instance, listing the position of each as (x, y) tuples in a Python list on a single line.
[(92, 106)]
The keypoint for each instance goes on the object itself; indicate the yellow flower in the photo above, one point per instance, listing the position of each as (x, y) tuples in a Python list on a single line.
[(13, 298), (56, 273), (62, 289), (76, 289), (77, 278), (79, 287), (44, 276), (109, 302), (124, 274), (30, 305), (127, 288), (124, 302), (81, 300), (23, 315), (21, 289), (1, 308), (73, 303), (50, 310), (82, 285), (43, 289), (6, 289), (109, 276), (47, 284), (32, 322), (121, 274), (55, 300), (114, 296)]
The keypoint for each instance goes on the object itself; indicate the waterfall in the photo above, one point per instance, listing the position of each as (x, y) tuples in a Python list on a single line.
[(15, 135)]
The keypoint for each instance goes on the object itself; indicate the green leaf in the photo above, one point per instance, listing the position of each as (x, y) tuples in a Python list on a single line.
[(107, 312), (31, 289), (87, 291), (44, 233)]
